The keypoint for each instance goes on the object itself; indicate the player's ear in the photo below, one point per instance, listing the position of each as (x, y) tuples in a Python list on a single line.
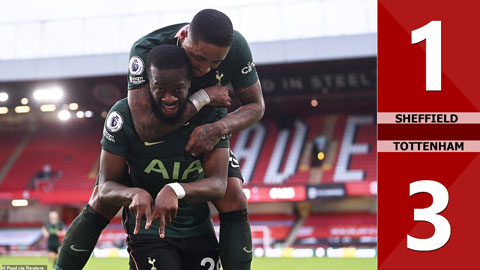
[(183, 35)]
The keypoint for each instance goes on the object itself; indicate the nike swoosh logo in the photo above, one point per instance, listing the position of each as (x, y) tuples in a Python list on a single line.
[(247, 251), (153, 143), (72, 247), (186, 124)]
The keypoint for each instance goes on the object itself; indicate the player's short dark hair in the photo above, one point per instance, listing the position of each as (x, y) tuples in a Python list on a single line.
[(213, 27), (168, 56)]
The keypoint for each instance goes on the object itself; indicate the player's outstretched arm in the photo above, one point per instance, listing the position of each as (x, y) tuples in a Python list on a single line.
[(112, 191), (205, 137), (210, 188), (150, 127)]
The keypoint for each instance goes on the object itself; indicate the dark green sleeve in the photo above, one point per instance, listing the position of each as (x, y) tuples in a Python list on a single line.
[(118, 121), (225, 139), (137, 72), (244, 71), (224, 142)]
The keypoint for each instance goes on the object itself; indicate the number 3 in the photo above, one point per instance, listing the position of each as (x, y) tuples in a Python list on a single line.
[(441, 224)]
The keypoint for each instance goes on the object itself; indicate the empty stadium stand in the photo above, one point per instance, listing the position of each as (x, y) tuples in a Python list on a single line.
[(9, 141), (270, 153), (289, 155), (70, 149)]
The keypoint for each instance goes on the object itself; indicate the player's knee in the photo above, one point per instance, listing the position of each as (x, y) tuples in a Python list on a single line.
[(101, 195), (232, 202), (235, 194), (101, 207), (239, 200), (234, 198), (95, 201)]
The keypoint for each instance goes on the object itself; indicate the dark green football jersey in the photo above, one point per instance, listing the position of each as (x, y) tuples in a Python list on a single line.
[(52, 230), (238, 67), (154, 164)]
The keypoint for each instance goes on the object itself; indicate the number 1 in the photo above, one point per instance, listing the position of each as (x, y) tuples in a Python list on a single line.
[(432, 33)]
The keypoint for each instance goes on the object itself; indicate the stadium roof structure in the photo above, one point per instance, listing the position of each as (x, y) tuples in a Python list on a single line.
[(52, 39), (271, 52)]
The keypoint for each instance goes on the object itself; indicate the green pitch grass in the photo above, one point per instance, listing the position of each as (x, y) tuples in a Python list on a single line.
[(258, 263)]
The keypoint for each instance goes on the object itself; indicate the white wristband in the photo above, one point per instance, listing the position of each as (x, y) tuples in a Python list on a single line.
[(179, 190), (199, 99)]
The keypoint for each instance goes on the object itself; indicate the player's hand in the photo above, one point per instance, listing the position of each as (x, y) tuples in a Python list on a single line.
[(218, 95), (165, 210), (203, 139), (140, 206)]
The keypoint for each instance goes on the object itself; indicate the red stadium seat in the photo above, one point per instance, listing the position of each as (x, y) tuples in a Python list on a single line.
[(71, 149)]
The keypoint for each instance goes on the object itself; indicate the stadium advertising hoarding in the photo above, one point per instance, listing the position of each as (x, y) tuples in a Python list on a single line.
[(342, 190), (254, 193), (326, 191), (274, 194)]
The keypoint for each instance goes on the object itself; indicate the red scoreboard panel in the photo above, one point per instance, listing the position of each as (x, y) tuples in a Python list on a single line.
[(428, 134)]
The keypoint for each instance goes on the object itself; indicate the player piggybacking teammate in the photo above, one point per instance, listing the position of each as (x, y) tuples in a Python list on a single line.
[(219, 56)]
